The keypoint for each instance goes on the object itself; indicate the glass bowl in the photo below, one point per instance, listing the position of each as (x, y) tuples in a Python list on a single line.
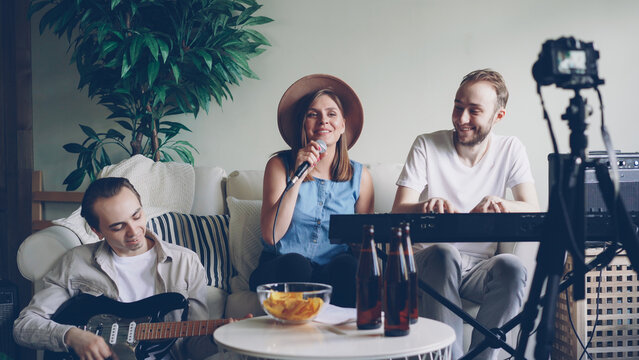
[(294, 302)]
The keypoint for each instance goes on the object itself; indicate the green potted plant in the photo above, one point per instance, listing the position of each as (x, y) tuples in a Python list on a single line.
[(147, 59)]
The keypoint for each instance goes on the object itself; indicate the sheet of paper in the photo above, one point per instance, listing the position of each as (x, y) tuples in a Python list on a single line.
[(335, 315)]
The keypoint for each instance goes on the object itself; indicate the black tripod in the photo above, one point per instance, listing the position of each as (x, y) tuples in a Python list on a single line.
[(565, 230)]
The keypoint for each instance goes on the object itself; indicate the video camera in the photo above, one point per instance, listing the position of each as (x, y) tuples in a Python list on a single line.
[(568, 63)]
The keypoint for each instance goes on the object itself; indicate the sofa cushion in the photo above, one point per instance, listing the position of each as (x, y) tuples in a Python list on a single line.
[(384, 177), (245, 184), (245, 243), (207, 236), (209, 197)]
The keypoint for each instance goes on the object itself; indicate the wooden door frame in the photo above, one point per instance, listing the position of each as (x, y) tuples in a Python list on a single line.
[(16, 145)]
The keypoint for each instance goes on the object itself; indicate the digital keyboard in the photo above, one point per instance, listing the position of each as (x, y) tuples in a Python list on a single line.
[(505, 227)]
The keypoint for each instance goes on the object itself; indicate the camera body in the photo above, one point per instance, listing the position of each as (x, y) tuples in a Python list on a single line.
[(568, 63)]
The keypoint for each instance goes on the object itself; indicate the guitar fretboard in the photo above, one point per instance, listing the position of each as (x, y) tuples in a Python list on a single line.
[(170, 330)]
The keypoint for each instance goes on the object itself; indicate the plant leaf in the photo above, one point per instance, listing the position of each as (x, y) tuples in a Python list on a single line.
[(153, 69), (164, 49), (134, 49), (73, 148), (176, 72), (74, 179), (208, 60), (152, 45), (125, 124), (257, 20), (114, 134), (89, 132), (125, 65)]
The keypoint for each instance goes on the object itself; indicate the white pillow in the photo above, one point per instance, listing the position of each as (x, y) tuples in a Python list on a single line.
[(209, 198), (244, 237)]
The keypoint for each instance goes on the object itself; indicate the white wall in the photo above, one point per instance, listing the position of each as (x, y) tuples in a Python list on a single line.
[(404, 58)]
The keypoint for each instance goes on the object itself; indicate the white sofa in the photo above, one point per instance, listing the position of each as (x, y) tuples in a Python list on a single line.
[(239, 194)]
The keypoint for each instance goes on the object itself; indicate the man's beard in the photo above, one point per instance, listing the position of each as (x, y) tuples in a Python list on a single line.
[(475, 140)]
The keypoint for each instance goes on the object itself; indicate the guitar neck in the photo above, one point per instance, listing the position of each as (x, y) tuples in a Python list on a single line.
[(171, 330)]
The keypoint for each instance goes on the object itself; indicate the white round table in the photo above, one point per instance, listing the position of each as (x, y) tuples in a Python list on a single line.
[(263, 337)]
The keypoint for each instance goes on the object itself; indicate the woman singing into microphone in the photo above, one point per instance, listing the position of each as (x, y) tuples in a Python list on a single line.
[(320, 117)]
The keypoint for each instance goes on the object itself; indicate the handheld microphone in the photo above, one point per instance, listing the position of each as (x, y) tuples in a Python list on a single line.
[(302, 168)]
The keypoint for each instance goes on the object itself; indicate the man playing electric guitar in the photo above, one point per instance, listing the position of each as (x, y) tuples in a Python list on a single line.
[(131, 264)]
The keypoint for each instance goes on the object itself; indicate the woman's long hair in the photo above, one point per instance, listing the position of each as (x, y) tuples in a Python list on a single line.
[(341, 169)]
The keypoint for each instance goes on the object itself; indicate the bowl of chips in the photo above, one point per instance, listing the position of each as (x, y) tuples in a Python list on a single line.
[(294, 302)]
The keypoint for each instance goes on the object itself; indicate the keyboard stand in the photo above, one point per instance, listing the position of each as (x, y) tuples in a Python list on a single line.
[(496, 338)]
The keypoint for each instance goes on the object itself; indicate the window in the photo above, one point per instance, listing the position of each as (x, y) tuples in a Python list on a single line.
[(609, 333), (588, 301), (629, 342), (629, 299), (599, 333), (589, 312), (629, 321), (619, 300), (599, 311), (588, 278), (608, 322), (629, 332), (619, 267), (629, 310), (589, 322), (629, 278), (619, 322), (629, 288), (619, 332), (619, 288), (609, 289), (608, 278), (619, 354), (609, 311), (619, 277)]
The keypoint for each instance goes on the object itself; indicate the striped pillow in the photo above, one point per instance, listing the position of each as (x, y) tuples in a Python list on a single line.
[(207, 236)]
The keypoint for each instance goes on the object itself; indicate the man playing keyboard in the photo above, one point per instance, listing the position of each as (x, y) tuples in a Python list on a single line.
[(469, 169)]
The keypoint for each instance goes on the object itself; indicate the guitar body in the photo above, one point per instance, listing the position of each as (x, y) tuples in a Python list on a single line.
[(100, 314)]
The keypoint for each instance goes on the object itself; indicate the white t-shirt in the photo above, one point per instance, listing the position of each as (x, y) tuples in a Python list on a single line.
[(434, 169), (136, 281), (136, 275)]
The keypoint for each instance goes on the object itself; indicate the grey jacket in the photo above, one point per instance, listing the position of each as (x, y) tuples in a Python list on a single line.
[(89, 269)]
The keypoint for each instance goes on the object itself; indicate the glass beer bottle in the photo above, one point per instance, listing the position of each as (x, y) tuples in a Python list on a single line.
[(412, 272), (369, 283), (396, 304)]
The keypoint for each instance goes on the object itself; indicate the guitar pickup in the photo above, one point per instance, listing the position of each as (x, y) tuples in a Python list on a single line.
[(130, 338), (113, 336)]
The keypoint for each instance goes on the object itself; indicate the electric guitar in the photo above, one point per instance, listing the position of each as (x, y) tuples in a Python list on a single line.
[(132, 330)]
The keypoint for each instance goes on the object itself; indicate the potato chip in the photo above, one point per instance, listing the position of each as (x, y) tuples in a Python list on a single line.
[(292, 305)]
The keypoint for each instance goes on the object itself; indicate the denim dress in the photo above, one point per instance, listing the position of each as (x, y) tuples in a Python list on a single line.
[(316, 201)]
